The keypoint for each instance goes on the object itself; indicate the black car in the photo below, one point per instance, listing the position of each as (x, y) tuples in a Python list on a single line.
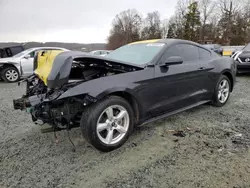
[(136, 84), (9, 51), (242, 59), (215, 47)]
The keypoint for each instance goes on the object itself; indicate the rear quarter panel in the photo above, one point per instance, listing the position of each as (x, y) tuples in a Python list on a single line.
[(224, 65)]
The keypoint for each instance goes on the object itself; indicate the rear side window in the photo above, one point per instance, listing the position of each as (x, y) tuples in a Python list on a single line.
[(16, 49), (188, 52), (204, 54), (97, 53), (8, 51), (1, 53)]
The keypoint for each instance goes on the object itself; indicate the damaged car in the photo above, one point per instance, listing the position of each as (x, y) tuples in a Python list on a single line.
[(21, 64), (136, 84), (242, 59)]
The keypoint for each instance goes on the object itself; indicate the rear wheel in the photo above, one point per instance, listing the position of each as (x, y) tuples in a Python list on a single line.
[(10, 74), (107, 124), (222, 91)]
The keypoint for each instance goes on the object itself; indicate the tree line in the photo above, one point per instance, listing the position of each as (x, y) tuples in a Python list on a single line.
[(226, 22)]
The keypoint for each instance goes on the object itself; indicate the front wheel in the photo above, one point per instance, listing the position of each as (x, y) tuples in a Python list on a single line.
[(107, 124), (10, 74), (222, 91)]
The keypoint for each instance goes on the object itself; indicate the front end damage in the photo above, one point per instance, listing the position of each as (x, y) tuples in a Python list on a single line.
[(58, 73), (45, 108)]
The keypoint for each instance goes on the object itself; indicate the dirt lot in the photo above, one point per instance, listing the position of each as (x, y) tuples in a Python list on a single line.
[(212, 150)]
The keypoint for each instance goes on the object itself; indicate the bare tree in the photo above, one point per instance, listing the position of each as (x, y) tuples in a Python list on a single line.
[(229, 9), (178, 19), (164, 28), (125, 29), (152, 26), (207, 9), (246, 12)]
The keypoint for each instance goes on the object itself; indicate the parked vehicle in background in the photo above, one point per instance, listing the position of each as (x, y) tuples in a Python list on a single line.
[(242, 59), (21, 64), (135, 84), (215, 47), (10, 51), (100, 52)]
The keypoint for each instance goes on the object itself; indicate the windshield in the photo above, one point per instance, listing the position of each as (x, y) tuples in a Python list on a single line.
[(136, 53), (22, 53), (247, 47)]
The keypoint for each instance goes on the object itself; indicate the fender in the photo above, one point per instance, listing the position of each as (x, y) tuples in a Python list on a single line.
[(97, 88), (12, 64), (115, 90)]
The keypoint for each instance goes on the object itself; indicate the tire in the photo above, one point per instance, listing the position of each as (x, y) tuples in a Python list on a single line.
[(97, 114), (221, 101), (10, 74)]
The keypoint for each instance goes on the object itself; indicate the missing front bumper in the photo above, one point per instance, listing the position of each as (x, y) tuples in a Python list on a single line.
[(21, 104)]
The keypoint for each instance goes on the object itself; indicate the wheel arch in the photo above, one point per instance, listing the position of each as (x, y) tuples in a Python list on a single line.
[(8, 65), (128, 96), (230, 77)]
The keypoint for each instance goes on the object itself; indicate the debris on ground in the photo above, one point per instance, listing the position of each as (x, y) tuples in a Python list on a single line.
[(178, 151)]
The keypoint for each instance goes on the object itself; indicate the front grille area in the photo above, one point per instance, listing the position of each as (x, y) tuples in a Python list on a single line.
[(245, 59)]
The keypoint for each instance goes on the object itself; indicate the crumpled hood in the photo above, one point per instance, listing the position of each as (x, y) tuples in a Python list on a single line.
[(56, 70)]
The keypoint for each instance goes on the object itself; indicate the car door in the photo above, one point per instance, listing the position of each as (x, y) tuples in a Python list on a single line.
[(206, 66), (27, 63), (179, 85)]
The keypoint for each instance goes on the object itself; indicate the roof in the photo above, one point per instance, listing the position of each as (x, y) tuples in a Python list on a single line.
[(167, 41), (44, 47), (6, 45)]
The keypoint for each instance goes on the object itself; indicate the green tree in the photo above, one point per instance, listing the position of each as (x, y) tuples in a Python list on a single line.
[(192, 22)]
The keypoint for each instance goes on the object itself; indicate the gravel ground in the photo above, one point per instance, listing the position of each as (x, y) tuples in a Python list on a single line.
[(202, 147)]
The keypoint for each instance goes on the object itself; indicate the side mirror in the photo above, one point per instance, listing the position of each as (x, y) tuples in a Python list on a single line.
[(174, 60), (27, 56)]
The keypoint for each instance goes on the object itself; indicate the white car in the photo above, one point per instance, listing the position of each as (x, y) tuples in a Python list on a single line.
[(101, 52), (21, 64)]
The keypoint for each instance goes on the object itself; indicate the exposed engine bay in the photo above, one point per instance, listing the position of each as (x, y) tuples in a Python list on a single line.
[(43, 104)]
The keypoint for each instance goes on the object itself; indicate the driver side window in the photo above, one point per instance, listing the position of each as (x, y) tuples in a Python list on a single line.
[(187, 52)]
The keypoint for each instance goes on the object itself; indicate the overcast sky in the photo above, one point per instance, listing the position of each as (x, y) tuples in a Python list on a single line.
[(82, 21)]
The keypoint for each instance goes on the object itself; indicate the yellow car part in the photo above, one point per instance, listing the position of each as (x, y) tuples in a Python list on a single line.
[(227, 52), (145, 41), (45, 60)]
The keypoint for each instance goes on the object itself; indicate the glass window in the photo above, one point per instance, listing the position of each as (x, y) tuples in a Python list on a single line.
[(97, 53), (22, 53), (204, 54), (188, 52), (140, 53), (1, 53), (8, 51), (16, 49), (32, 54)]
